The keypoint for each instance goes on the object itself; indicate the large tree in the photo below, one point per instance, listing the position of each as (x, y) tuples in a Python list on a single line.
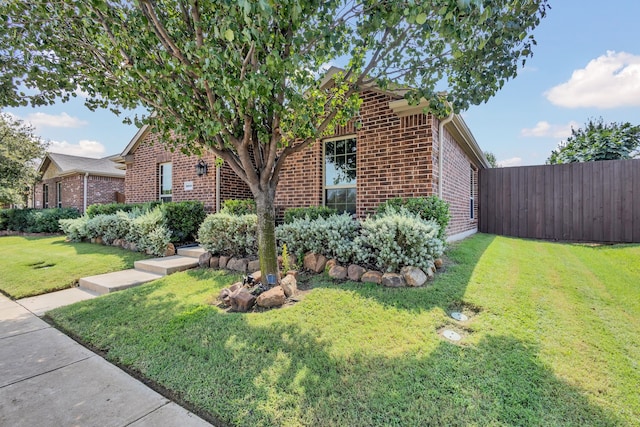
[(241, 78), (20, 150), (598, 140)]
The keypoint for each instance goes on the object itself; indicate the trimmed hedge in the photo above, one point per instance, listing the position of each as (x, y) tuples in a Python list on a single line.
[(35, 220), (311, 212), (184, 219)]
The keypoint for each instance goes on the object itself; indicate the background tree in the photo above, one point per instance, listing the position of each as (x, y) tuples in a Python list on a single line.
[(240, 77), (598, 141), (491, 158), (20, 150)]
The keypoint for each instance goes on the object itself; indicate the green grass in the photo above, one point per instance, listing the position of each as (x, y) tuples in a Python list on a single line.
[(37, 265), (554, 339)]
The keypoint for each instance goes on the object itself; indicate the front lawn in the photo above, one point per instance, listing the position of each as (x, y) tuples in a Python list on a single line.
[(553, 339), (36, 265)]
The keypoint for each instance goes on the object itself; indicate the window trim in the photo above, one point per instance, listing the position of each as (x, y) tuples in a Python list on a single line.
[(45, 196), (472, 192), (326, 187), (165, 197), (59, 194)]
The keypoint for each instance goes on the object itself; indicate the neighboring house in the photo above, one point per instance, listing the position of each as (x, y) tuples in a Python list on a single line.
[(77, 182), (394, 152)]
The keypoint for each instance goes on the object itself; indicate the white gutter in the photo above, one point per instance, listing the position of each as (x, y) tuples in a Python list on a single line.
[(217, 188), (84, 203), (441, 151)]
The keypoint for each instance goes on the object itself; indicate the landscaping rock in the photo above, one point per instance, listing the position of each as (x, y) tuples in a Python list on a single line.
[(132, 247), (204, 259), (438, 263), (242, 300), (393, 280), (330, 264), (237, 264), (253, 265), (413, 276), (338, 272), (225, 296), (223, 261), (430, 273), (293, 273), (309, 262), (274, 297), (171, 250), (280, 261), (214, 262), (257, 276), (355, 272), (235, 286), (289, 285), (372, 276), (117, 242)]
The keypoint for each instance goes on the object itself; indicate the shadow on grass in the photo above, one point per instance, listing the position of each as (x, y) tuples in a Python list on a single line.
[(446, 292), (86, 248), (273, 369)]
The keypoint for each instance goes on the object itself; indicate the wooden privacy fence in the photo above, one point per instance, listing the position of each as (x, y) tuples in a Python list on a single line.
[(592, 201)]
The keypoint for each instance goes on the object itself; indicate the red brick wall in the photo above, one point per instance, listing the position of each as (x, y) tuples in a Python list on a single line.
[(456, 184), (142, 181), (100, 189)]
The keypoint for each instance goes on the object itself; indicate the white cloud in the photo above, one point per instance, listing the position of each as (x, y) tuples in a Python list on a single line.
[(513, 161), (62, 120), (84, 148), (544, 129), (609, 81)]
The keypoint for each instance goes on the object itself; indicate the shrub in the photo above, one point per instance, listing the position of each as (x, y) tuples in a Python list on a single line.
[(17, 219), (428, 208), (225, 234), (313, 212), (333, 236), (75, 229), (109, 227), (47, 220), (111, 208), (148, 231), (183, 219), (238, 207), (398, 238)]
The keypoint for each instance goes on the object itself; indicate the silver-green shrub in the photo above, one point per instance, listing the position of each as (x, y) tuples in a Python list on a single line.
[(75, 229), (224, 234), (149, 232), (333, 236), (396, 239)]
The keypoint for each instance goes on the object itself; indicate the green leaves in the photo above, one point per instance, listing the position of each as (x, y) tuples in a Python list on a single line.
[(229, 35)]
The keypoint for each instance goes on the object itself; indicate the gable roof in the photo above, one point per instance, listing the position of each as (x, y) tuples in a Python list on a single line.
[(69, 165)]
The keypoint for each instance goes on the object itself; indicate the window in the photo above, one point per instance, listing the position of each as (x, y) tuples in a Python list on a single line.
[(59, 194), (340, 174), (164, 183), (472, 186), (45, 196)]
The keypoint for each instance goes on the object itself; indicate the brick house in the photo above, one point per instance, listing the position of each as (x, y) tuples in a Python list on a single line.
[(77, 182), (395, 152)]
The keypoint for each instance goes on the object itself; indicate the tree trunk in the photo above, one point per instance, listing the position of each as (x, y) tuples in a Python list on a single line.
[(267, 250)]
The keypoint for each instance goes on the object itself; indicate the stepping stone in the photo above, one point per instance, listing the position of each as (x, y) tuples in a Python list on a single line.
[(40, 304), (166, 265), (193, 252), (117, 281)]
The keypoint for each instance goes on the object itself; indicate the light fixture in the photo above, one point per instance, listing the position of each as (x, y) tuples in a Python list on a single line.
[(201, 167)]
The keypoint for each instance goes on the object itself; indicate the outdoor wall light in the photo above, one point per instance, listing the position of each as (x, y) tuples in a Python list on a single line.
[(201, 167)]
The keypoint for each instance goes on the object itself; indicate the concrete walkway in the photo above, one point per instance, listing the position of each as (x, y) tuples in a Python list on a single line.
[(47, 379)]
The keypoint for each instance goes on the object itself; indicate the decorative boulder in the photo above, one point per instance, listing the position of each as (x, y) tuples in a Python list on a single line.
[(413, 276), (289, 285), (214, 262), (274, 297), (253, 265), (330, 264), (355, 272), (371, 276), (338, 272), (237, 264), (293, 273), (170, 250), (315, 262), (430, 273), (438, 263), (242, 300), (257, 276), (393, 280), (117, 242), (203, 260), (222, 263)]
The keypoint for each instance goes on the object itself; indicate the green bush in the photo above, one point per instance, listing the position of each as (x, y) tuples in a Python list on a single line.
[(149, 232), (183, 219), (225, 234), (35, 220), (428, 208), (396, 239), (109, 227), (75, 229), (111, 208), (238, 207), (333, 236), (312, 212)]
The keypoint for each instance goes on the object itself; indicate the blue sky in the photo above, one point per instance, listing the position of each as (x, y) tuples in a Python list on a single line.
[(586, 64)]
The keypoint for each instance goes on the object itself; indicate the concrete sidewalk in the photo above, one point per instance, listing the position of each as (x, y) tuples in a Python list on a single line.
[(47, 379)]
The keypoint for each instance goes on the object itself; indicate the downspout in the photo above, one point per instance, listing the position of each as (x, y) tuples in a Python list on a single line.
[(218, 188), (441, 151), (84, 203)]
